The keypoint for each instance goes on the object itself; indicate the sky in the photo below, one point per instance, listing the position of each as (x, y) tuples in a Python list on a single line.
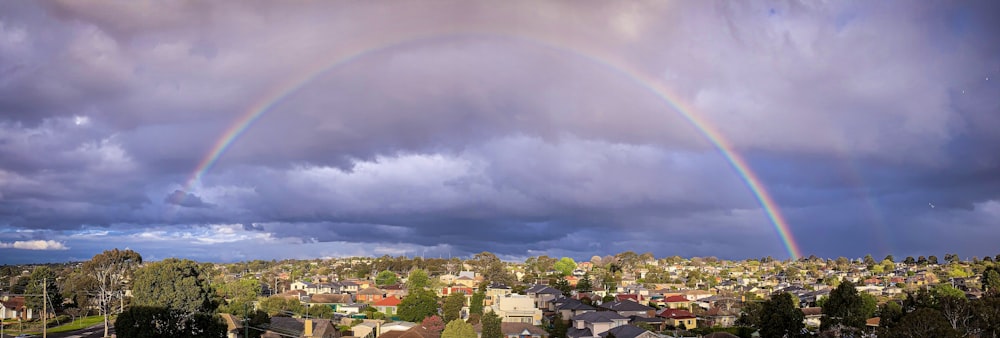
[(235, 130)]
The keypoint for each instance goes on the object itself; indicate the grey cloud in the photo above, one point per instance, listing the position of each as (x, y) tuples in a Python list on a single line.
[(465, 126)]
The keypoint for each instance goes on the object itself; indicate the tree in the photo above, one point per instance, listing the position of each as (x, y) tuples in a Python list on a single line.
[(889, 258), (173, 284), (909, 260), (274, 306), (42, 280), (417, 305), (159, 322), (110, 271), (844, 307), (320, 311), (417, 279), (452, 307), (491, 326), (386, 278), (780, 317), (492, 268), (476, 303), (458, 329), (433, 324), (868, 260), (991, 280), (563, 285), (239, 296), (584, 284), (923, 322), (565, 266), (932, 260)]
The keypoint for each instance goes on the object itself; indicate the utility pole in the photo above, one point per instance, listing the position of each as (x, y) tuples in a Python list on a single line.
[(45, 303)]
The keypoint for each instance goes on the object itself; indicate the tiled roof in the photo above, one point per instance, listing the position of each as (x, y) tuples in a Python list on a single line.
[(625, 305), (389, 301), (598, 317)]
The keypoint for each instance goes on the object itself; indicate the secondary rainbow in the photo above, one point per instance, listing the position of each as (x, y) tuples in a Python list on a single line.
[(280, 92)]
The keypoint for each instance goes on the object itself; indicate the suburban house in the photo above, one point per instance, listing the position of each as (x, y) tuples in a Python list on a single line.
[(234, 326), (628, 308), (352, 308), (630, 331), (311, 288), (812, 316), (416, 331), (349, 287), (569, 307), (466, 281), (593, 324), (398, 290), (370, 295), (494, 291), (282, 327), (13, 307), (334, 301), (514, 308), (387, 305), (542, 295), (679, 318), (677, 302), (452, 289), (516, 330), (720, 317)]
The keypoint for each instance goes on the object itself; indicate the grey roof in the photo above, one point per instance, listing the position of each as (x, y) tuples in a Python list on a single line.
[(543, 289), (625, 305), (625, 331), (598, 317), (573, 304), (573, 332)]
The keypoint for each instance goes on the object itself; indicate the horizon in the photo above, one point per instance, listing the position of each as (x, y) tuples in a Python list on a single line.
[(233, 131)]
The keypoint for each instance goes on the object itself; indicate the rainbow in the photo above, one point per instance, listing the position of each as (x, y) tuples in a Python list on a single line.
[(280, 92)]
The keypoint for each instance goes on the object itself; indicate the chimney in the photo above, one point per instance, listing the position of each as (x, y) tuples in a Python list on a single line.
[(308, 328)]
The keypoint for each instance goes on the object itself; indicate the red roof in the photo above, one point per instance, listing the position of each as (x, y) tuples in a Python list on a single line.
[(629, 296), (676, 299), (389, 301), (676, 314)]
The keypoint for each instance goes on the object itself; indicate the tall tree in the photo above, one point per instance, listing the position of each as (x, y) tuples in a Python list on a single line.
[(991, 280), (492, 268), (418, 279), (565, 266), (452, 307), (845, 307), (584, 284), (386, 277), (42, 281), (417, 305), (173, 284), (110, 270), (491, 326), (159, 322), (239, 296), (476, 303), (458, 329), (780, 317), (923, 322), (274, 306)]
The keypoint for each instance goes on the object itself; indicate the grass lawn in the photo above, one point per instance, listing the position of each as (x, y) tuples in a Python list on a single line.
[(80, 323)]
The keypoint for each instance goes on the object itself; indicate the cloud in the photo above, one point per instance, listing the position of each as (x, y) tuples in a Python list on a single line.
[(34, 245), (521, 127), (186, 199)]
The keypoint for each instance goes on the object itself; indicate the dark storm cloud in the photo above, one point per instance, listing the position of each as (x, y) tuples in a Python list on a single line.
[(515, 130), (185, 199)]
